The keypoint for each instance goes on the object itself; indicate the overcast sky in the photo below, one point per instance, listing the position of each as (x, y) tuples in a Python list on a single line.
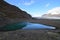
[(36, 8)]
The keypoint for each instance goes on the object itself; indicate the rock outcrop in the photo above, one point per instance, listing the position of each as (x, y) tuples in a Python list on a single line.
[(10, 13)]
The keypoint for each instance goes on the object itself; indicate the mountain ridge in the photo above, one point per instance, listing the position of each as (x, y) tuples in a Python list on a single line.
[(11, 14)]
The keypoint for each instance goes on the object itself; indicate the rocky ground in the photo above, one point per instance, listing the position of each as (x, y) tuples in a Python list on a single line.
[(31, 35)]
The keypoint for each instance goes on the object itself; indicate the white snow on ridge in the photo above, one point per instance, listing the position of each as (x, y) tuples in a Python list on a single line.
[(54, 10), (52, 14)]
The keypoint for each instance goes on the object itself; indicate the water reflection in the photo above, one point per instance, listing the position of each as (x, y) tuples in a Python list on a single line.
[(31, 26)]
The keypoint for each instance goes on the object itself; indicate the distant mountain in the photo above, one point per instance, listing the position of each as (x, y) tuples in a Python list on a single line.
[(53, 13)]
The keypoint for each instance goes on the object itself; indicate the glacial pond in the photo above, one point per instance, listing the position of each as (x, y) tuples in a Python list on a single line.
[(24, 26), (32, 26)]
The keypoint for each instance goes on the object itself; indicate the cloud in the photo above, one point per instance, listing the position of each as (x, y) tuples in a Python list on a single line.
[(47, 4), (53, 13), (28, 3), (55, 10)]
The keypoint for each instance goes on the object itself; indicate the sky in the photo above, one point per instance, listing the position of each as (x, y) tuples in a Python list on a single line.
[(35, 8)]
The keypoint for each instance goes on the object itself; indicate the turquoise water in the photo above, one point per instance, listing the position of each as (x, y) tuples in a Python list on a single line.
[(24, 26), (13, 26)]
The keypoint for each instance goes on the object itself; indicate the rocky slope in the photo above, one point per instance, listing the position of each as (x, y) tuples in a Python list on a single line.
[(12, 11), (10, 14)]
